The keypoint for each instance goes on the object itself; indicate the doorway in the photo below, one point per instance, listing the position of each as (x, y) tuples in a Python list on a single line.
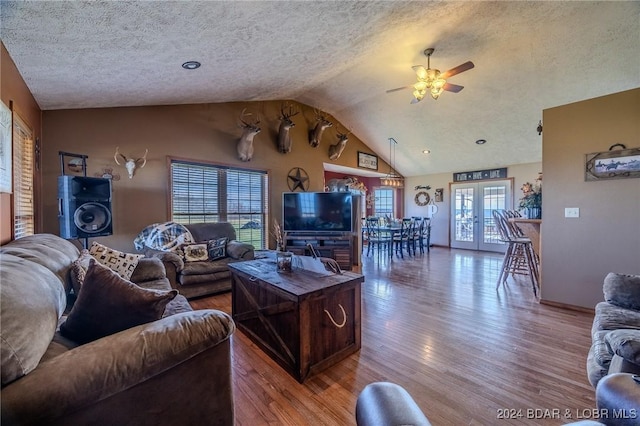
[(472, 225)]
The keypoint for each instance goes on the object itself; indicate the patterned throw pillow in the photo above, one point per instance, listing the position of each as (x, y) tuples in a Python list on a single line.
[(195, 252), (79, 270), (217, 248), (118, 261)]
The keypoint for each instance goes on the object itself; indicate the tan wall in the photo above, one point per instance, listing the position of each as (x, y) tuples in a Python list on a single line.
[(578, 253), (205, 132), (13, 89), (440, 222)]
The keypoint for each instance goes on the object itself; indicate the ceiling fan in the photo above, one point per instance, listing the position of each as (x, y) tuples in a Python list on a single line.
[(432, 81)]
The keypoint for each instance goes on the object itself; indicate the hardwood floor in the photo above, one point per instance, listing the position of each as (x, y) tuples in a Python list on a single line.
[(435, 325)]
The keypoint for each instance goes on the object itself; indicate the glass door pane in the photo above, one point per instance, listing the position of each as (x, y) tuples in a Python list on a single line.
[(464, 217)]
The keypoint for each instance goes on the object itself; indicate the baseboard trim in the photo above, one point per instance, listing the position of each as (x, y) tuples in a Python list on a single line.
[(568, 306)]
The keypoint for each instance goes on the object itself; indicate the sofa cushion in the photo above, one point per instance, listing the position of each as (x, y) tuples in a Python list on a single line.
[(32, 299), (187, 280), (118, 261), (195, 252), (108, 304), (203, 268), (622, 290), (203, 232), (217, 248), (50, 251)]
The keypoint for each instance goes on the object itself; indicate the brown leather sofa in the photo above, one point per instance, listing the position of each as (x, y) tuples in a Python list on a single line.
[(172, 371), (195, 279)]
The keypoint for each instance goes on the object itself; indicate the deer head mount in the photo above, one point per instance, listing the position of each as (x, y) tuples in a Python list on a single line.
[(249, 130), (284, 137), (129, 163), (315, 134), (335, 150)]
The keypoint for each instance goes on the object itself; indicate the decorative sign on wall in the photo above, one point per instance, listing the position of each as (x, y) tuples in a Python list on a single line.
[(480, 175), (367, 161), (613, 164)]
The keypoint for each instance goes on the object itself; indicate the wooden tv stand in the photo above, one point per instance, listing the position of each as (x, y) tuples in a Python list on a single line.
[(338, 246)]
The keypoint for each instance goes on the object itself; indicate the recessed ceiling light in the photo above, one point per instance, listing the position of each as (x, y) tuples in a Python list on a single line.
[(425, 151), (191, 65), (481, 141)]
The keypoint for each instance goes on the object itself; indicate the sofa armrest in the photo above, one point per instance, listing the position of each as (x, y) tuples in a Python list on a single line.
[(625, 343), (148, 269), (166, 257), (101, 369), (240, 251)]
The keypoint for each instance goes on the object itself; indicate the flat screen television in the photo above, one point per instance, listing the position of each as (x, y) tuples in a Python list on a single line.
[(317, 211)]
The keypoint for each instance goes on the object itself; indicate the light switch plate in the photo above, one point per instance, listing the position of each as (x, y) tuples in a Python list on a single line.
[(571, 212)]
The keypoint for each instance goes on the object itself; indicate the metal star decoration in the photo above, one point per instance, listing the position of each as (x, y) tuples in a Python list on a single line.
[(298, 178)]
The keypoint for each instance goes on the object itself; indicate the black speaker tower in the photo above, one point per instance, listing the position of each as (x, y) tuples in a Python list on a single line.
[(84, 207)]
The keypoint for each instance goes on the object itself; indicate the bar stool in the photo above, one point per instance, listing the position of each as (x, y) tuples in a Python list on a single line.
[(519, 257)]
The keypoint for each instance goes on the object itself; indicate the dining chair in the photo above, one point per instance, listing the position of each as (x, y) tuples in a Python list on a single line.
[(402, 238), (378, 238), (422, 233)]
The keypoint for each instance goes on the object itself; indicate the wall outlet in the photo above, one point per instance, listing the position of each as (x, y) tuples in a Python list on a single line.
[(571, 212)]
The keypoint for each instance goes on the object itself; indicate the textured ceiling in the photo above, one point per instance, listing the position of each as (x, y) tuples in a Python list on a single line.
[(340, 57)]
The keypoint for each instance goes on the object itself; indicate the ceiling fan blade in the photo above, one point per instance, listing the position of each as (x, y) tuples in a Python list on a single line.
[(415, 100), (400, 88), (457, 70), (452, 87)]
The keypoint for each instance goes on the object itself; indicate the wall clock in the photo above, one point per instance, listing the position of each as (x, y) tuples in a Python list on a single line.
[(422, 198)]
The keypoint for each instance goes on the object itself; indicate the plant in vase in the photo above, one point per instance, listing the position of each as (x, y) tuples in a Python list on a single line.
[(531, 200)]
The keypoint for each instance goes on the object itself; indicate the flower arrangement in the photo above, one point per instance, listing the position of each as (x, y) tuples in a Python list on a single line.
[(532, 194)]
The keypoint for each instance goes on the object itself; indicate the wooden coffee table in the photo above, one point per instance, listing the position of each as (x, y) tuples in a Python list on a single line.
[(303, 320)]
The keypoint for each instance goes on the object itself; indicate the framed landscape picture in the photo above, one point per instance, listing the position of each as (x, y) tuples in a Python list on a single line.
[(5, 148), (367, 161), (617, 164)]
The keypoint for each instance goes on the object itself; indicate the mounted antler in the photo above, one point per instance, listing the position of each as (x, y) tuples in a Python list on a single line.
[(315, 135), (284, 138), (335, 151), (249, 130), (129, 163)]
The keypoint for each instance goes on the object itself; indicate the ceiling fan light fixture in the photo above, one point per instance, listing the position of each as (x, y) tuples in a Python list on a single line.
[(420, 86)]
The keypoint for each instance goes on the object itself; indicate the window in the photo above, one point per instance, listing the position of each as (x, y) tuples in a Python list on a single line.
[(383, 202), (23, 215), (212, 193)]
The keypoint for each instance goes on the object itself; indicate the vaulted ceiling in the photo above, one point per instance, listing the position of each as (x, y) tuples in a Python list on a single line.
[(340, 57)]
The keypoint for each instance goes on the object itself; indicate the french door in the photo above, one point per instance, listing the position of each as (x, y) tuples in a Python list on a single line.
[(472, 225)]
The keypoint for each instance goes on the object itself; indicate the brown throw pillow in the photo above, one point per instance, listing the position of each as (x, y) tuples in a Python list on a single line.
[(108, 304)]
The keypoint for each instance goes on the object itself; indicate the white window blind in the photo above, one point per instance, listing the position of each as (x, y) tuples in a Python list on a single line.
[(23, 215), (202, 193)]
